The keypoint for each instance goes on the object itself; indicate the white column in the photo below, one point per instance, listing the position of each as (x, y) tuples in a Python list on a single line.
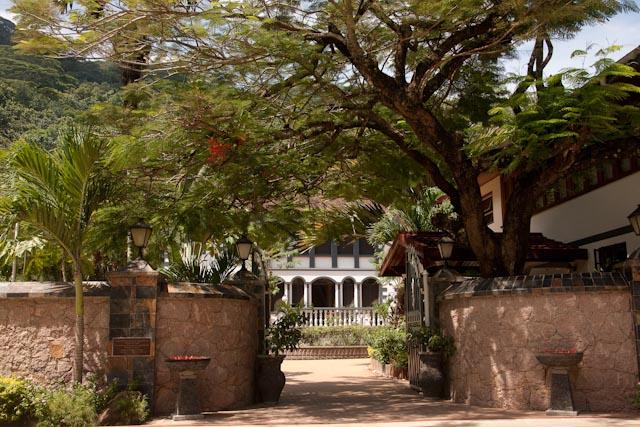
[(285, 295), (336, 294), (307, 294), (357, 287)]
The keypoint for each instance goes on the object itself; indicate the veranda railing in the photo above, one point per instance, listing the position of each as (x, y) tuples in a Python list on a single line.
[(321, 316)]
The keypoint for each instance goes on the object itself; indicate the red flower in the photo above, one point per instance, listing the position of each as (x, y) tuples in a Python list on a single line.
[(186, 357), (218, 151)]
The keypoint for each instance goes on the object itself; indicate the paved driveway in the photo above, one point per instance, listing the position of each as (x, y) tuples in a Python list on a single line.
[(344, 392)]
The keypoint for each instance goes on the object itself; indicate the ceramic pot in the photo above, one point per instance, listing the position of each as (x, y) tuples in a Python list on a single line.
[(270, 379), (432, 380)]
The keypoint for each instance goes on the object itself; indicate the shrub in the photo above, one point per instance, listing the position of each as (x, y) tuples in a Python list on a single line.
[(433, 339), (284, 333), (635, 401), (336, 335), (126, 408), (69, 408), (389, 345), (19, 399)]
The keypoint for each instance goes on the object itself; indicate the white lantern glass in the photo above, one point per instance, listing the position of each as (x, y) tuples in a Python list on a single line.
[(243, 246), (445, 246), (140, 234)]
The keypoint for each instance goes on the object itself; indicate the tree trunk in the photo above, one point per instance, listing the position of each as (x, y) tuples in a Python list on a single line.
[(14, 264), (79, 338)]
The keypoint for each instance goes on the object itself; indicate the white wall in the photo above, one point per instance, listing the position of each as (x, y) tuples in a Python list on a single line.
[(596, 212), (494, 187)]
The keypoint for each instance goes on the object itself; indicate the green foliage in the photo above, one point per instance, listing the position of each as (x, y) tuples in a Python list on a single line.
[(285, 333), (40, 96), (198, 265), (434, 340), (68, 408), (389, 345), (635, 400), (354, 335), (20, 400), (132, 408)]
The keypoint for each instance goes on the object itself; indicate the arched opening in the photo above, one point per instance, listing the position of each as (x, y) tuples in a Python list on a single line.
[(323, 292), (297, 291), (370, 292), (348, 292)]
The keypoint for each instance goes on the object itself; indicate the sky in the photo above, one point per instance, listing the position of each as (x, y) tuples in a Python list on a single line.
[(623, 29)]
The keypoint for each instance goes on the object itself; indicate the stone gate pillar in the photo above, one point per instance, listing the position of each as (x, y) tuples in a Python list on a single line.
[(633, 265), (132, 327), (257, 288)]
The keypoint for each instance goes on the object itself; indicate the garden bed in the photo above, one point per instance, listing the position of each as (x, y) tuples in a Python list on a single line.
[(387, 370), (328, 352)]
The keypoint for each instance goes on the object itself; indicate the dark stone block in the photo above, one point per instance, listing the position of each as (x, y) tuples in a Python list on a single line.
[(636, 289), (146, 292), (120, 305), (17, 294), (122, 377), (118, 333), (121, 292), (120, 321), (561, 398)]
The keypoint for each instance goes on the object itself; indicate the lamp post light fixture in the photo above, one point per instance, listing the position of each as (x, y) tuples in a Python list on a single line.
[(244, 246), (634, 220), (445, 247), (140, 234)]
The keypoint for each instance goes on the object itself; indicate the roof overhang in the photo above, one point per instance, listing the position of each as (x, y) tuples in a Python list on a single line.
[(541, 250)]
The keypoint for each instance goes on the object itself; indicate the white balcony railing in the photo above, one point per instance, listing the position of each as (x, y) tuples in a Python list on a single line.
[(342, 316)]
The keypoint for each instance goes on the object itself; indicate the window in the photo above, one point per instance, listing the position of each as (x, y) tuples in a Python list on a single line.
[(487, 208), (607, 257)]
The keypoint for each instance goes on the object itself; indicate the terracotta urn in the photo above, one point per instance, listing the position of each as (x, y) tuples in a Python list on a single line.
[(270, 379), (188, 369)]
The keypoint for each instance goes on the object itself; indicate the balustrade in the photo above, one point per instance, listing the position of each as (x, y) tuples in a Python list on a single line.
[(344, 316)]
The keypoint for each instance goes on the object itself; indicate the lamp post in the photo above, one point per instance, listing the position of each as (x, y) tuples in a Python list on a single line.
[(445, 247), (634, 220), (244, 246), (140, 234)]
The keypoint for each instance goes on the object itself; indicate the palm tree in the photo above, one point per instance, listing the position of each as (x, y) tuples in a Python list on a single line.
[(57, 192)]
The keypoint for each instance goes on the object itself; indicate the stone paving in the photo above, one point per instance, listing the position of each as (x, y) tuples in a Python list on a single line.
[(344, 392)]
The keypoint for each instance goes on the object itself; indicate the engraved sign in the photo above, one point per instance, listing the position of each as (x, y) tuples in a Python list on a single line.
[(131, 347)]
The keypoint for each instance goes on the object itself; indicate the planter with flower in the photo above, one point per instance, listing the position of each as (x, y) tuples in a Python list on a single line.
[(437, 348), (188, 368), (283, 334)]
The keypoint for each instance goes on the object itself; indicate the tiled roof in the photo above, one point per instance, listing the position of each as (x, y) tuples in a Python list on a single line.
[(540, 283)]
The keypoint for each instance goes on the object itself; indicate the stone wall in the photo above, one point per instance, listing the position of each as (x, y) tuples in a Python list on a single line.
[(37, 324), (497, 335), (221, 328), (37, 337)]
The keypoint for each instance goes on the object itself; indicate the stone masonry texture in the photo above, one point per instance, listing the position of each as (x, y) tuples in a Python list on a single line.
[(37, 337), (220, 328), (497, 338)]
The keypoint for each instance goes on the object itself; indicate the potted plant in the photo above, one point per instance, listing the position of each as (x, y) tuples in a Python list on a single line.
[(283, 334), (438, 348)]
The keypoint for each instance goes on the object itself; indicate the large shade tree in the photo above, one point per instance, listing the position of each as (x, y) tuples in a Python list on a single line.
[(372, 69), (58, 193)]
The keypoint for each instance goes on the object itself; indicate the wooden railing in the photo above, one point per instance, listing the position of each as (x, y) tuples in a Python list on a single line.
[(342, 316)]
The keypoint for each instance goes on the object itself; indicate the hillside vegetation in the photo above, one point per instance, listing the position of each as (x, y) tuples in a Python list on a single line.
[(39, 96)]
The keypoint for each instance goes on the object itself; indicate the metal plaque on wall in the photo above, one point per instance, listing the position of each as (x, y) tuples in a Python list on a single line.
[(131, 347)]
